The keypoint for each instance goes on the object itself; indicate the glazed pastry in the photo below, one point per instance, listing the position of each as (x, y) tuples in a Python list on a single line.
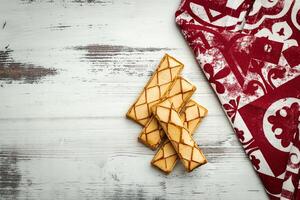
[(179, 94), (185, 146), (166, 157), (156, 88)]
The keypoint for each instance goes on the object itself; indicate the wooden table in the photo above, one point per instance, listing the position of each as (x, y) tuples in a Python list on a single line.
[(69, 71)]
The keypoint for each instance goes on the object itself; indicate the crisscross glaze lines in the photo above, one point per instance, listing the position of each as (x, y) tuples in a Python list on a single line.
[(156, 88), (181, 91), (166, 157), (185, 146)]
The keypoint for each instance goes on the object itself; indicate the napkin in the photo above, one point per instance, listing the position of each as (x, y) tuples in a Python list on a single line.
[(249, 51)]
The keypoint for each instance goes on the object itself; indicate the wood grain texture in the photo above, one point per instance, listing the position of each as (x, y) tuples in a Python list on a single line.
[(65, 135)]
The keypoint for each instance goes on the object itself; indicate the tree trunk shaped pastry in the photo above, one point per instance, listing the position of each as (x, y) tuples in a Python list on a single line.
[(185, 146), (166, 157), (156, 88), (181, 91)]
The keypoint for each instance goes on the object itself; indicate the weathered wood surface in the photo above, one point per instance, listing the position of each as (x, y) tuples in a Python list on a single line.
[(74, 69)]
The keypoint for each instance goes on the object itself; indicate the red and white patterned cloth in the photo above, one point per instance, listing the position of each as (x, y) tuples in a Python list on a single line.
[(249, 50)]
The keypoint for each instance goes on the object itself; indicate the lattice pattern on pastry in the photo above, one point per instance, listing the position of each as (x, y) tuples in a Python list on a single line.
[(166, 157), (185, 146), (179, 94), (167, 71)]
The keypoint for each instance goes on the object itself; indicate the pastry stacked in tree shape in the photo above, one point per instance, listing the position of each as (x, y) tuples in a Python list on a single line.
[(169, 117)]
